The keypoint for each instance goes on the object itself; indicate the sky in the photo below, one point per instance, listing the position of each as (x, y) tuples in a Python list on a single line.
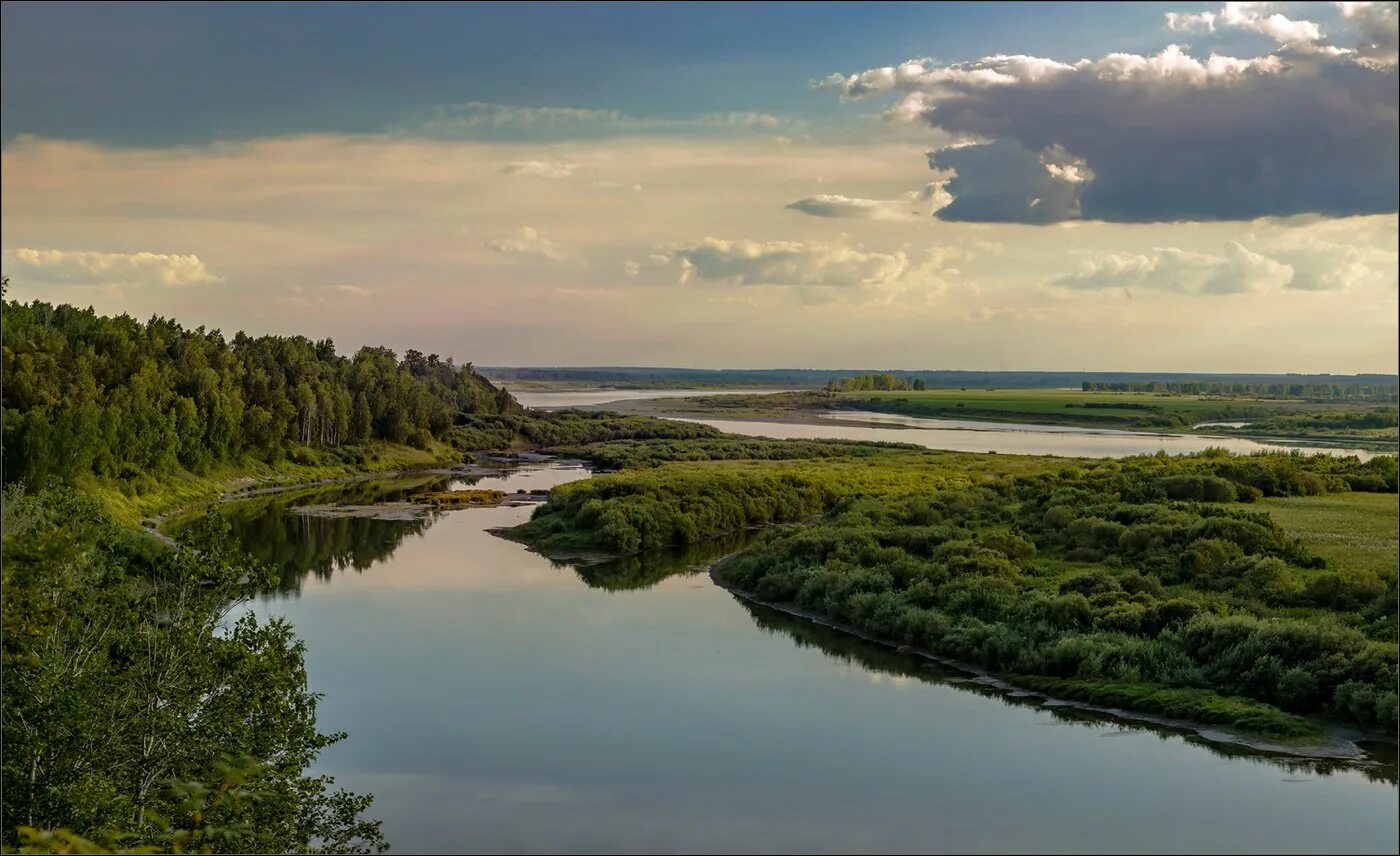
[(1060, 186)]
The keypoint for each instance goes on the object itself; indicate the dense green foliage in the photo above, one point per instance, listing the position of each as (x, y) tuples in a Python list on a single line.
[(1378, 423), (1154, 581), (1141, 582), (568, 427), (722, 447), (886, 381), (685, 502), (1126, 410), (1360, 388), (116, 398), (123, 680)]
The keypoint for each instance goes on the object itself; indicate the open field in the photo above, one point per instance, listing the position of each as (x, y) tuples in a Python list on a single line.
[(1349, 530), (1074, 407)]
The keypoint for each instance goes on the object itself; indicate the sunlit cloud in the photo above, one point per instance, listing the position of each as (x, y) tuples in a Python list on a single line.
[(527, 241), (94, 268)]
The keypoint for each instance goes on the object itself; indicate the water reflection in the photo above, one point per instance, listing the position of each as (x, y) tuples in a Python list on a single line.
[(1381, 766), (630, 573), (499, 701)]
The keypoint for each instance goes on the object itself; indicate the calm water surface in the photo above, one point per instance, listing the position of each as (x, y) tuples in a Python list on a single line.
[(496, 700), (554, 399), (1005, 437), (957, 435)]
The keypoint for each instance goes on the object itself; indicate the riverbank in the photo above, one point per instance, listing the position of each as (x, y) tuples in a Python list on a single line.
[(1051, 408), (1313, 740)]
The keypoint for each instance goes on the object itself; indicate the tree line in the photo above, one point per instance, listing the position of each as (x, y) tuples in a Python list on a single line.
[(113, 396), (865, 383)]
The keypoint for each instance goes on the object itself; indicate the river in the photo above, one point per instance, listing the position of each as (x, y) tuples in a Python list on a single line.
[(958, 435), (496, 700)]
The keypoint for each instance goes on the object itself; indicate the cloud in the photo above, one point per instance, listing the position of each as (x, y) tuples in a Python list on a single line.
[(1308, 128), (1376, 24), (526, 241), (540, 169), (817, 271), (1336, 255), (1254, 17), (351, 290), (485, 119), (835, 205), (1237, 271), (1191, 22), (745, 262), (631, 268), (92, 268)]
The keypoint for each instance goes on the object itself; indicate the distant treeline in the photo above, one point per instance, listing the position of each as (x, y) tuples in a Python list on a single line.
[(1358, 388), (659, 377), (86, 393), (886, 381)]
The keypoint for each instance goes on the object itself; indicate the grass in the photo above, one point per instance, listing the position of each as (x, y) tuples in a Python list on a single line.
[(1349, 530), (1127, 409), (131, 502), (1193, 705), (1137, 411)]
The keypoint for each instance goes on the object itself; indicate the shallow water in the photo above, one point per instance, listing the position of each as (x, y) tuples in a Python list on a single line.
[(496, 700), (553, 400)]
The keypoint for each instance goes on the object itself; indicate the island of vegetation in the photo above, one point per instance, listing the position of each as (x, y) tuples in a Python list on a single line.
[(1160, 584)]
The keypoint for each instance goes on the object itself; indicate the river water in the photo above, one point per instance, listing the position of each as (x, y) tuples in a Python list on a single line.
[(496, 700), (958, 435)]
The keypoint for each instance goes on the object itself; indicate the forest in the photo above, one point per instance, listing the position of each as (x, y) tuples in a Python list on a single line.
[(105, 401), (114, 397)]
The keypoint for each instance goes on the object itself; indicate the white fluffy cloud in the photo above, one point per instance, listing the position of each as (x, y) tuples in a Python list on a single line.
[(1321, 255), (1308, 128), (527, 241), (1236, 271), (818, 270), (1254, 17), (92, 268), (745, 262), (540, 168), (1336, 255)]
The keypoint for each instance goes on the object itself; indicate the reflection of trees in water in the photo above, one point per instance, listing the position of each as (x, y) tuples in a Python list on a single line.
[(300, 544), (882, 659), (647, 569)]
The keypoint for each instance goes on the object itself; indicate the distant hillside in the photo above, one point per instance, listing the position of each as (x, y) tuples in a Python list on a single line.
[(658, 377)]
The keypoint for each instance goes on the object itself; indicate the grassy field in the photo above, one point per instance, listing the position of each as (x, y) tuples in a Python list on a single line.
[(1349, 530), (1137, 411)]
